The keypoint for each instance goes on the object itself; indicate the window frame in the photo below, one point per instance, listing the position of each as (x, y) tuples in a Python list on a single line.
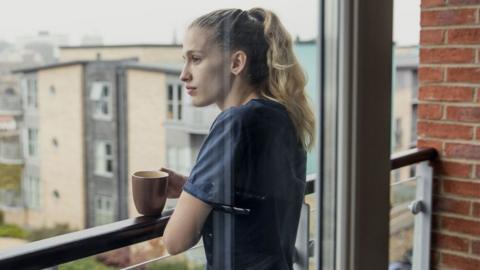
[(100, 213), (105, 157), (31, 191), (31, 143), (99, 100), (29, 88), (32, 93), (175, 103), (356, 72)]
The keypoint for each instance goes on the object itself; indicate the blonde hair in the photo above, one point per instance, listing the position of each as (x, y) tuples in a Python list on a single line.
[(271, 62)]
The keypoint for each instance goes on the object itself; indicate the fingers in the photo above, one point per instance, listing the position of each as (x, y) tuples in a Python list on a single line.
[(170, 172)]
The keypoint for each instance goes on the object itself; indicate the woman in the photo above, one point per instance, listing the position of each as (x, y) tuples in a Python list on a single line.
[(245, 191)]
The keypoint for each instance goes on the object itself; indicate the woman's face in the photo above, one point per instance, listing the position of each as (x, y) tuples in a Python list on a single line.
[(205, 70)]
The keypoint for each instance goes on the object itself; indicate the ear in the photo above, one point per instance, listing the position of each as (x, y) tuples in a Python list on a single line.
[(238, 62)]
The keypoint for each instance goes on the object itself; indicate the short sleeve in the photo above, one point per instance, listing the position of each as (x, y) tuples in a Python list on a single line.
[(212, 177)]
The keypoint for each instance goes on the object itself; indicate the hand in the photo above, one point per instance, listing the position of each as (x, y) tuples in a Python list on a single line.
[(175, 183)]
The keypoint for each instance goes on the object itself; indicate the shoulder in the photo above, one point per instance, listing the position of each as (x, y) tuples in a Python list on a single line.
[(256, 111), (254, 117)]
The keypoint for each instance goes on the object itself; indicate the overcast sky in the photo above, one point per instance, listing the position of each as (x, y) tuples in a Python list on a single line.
[(155, 21)]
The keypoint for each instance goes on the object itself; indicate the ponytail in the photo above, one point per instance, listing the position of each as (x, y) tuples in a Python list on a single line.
[(272, 65), (286, 80)]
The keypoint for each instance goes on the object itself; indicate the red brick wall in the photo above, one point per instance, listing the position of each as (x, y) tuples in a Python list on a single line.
[(449, 120)]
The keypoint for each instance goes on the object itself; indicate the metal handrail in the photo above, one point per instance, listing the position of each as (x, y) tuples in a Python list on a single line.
[(76, 245), (412, 156)]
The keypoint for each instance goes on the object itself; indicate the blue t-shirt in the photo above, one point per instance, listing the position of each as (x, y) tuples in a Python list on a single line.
[(251, 159)]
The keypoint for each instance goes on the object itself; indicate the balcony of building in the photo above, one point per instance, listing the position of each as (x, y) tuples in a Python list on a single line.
[(10, 104), (191, 119), (365, 208), (10, 149), (411, 216)]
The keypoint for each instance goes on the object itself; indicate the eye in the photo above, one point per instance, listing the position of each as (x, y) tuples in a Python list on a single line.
[(196, 59)]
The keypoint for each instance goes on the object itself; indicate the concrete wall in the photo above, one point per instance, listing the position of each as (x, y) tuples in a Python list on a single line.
[(61, 167), (146, 113)]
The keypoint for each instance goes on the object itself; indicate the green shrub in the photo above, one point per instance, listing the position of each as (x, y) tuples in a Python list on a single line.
[(10, 176), (1, 217), (10, 230), (43, 233), (89, 263)]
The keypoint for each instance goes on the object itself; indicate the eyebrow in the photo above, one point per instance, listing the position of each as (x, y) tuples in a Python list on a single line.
[(189, 52)]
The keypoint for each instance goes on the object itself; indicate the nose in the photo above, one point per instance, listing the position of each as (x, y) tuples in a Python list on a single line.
[(185, 76)]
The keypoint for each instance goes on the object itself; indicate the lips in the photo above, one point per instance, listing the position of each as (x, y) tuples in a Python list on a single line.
[(191, 90)]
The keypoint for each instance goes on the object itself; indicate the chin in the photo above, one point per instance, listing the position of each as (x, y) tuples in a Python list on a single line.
[(200, 103)]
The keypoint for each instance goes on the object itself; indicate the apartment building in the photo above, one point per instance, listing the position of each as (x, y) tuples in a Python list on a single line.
[(164, 54), (96, 120), (404, 104), (164, 129), (89, 124)]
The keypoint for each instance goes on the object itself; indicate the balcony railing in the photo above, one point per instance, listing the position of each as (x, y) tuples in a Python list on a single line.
[(10, 198), (10, 152), (10, 104), (195, 120), (69, 247)]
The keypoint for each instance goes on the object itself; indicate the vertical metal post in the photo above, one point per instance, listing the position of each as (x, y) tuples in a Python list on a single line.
[(302, 241), (422, 229)]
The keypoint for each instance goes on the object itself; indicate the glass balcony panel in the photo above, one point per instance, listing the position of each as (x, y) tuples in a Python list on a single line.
[(148, 255), (402, 225)]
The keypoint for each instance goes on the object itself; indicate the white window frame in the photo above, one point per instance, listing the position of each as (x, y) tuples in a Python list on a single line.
[(100, 100), (355, 122), (179, 99), (30, 92), (31, 143), (31, 191), (102, 158), (175, 103), (104, 209), (398, 133)]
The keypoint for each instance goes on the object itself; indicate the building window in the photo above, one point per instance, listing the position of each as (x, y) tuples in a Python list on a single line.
[(179, 103), (31, 191), (398, 133), (101, 94), (174, 102), (30, 92), (170, 102), (103, 158), (32, 142), (413, 127), (104, 210)]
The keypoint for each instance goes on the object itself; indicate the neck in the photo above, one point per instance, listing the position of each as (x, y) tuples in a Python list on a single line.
[(239, 95)]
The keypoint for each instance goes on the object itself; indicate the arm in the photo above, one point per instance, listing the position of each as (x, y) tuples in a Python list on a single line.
[(185, 225)]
